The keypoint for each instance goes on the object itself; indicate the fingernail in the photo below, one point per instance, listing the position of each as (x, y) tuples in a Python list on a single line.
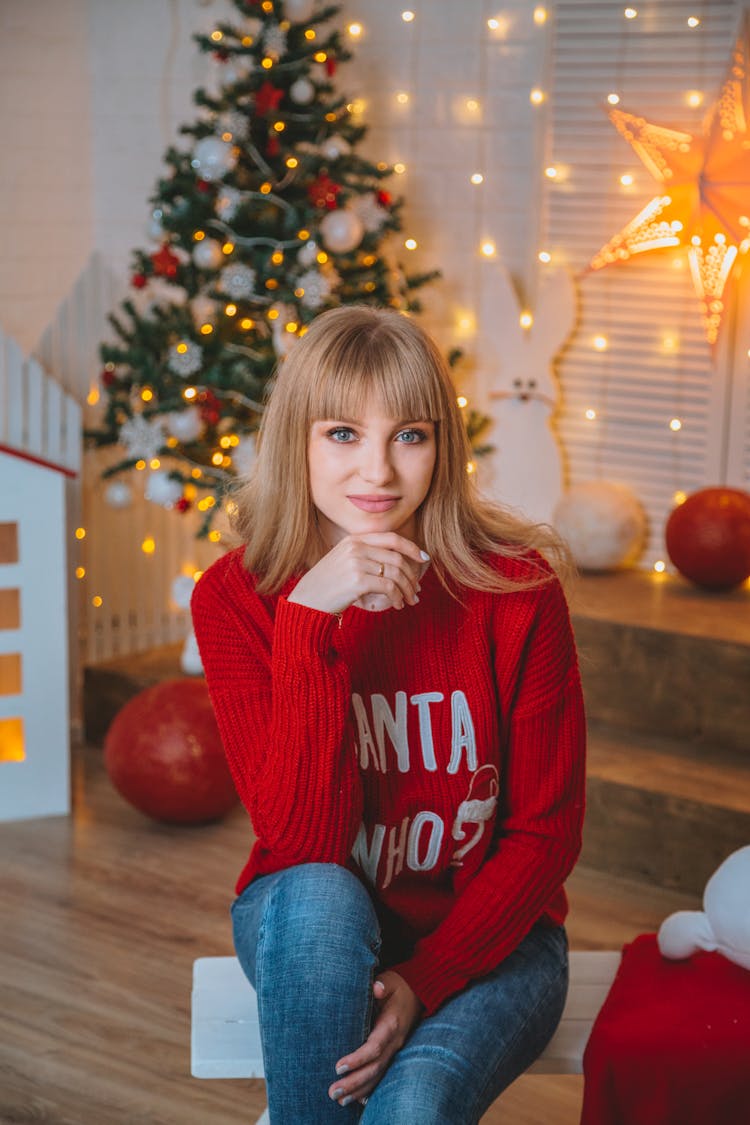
[(416, 599), (424, 556), (342, 1069), (336, 1094), (347, 1100)]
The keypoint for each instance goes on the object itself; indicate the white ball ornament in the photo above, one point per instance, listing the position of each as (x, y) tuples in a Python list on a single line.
[(185, 425), (342, 231), (302, 92), (161, 489), (603, 524), (299, 10), (207, 254), (182, 590), (119, 494), (334, 147), (308, 252), (213, 158)]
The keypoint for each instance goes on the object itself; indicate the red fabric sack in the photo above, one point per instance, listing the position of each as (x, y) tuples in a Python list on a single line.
[(671, 1044)]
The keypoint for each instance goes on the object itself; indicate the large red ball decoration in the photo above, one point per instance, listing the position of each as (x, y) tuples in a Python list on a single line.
[(164, 755), (708, 537)]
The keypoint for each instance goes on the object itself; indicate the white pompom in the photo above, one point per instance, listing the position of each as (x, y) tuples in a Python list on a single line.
[(342, 230), (161, 489), (302, 92), (603, 524), (119, 494), (185, 425), (213, 158)]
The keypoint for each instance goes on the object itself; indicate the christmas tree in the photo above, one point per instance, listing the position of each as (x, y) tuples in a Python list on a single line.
[(267, 217)]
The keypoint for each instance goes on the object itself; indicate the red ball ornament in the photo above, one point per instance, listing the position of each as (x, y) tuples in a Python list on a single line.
[(108, 377), (330, 66), (203, 185), (708, 537), (323, 191), (183, 504), (138, 280), (163, 754), (384, 198)]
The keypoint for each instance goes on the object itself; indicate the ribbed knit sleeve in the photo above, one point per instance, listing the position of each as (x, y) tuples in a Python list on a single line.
[(281, 694), (543, 795)]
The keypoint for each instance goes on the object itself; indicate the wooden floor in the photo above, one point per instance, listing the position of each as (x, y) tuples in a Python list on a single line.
[(101, 917)]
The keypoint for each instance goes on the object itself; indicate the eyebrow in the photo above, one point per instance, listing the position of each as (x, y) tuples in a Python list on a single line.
[(359, 422)]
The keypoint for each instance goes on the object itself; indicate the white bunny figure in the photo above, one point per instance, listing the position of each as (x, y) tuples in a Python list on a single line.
[(522, 389)]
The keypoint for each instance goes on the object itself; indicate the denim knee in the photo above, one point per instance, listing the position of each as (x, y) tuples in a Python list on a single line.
[(305, 920)]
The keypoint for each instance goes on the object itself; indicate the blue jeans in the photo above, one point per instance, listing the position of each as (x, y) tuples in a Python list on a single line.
[(308, 940)]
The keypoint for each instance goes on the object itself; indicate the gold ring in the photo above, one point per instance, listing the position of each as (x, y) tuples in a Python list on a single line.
[(381, 572)]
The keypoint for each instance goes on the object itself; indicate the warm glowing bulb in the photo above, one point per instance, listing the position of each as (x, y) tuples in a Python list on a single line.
[(93, 396), (214, 536), (217, 36), (217, 458), (526, 320), (694, 98), (472, 105), (488, 248), (80, 572), (626, 179), (227, 248), (693, 21), (80, 533), (613, 99), (96, 601), (679, 497), (355, 30), (147, 394), (410, 244), (477, 178), (550, 172), (660, 566), (154, 463), (402, 98), (320, 56), (206, 329), (399, 169), (277, 257), (182, 347), (544, 256), (630, 13), (321, 257), (273, 314), (279, 126), (230, 310), (675, 425), (407, 16), (189, 393), (199, 235), (540, 15), (590, 414), (537, 96), (148, 546), (471, 467), (292, 161), (140, 465), (600, 343), (310, 34), (493, 24), (462, 401)]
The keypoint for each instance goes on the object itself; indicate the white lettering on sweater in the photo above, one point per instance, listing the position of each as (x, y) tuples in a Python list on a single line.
[(394, 723)]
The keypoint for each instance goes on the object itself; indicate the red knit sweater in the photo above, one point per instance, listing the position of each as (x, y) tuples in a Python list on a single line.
[(437, 751)]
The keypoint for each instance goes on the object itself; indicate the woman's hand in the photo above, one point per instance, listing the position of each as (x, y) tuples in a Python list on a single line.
[(399, 1011), (383, 566)]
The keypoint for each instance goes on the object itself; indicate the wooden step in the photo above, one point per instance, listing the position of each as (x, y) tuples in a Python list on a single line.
[(662, 657), (662, 811)]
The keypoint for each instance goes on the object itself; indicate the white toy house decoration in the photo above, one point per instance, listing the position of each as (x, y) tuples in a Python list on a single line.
[(39, 449), (517, 350)]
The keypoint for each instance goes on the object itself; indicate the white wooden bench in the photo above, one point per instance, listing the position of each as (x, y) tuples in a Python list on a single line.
[(225, 1040)]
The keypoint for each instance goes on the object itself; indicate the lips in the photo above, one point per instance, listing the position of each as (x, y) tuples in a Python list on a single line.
[(374, 503)]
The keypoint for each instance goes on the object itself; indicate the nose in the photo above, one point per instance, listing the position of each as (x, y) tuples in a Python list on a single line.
[(375, 466)]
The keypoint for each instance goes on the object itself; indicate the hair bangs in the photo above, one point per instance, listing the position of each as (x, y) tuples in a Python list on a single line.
[(372, 367)]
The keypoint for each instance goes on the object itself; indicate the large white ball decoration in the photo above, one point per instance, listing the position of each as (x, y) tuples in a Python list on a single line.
[(334, 147), (182, 590), (302, 92), (213, 158), (118, 494), (185, 425), (298, 10), (342, 231), (161, 489), (207, 254), (603, 524)]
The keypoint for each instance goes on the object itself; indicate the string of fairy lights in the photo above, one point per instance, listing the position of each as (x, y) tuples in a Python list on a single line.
[(468, 110)]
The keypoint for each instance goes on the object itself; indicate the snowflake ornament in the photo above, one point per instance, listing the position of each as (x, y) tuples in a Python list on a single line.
[(317, 287), (274, 41), (142, 438), (367, 208), (185, 358), (227, 203), (237, 281)]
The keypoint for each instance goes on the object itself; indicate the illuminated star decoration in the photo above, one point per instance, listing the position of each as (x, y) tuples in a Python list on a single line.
[(705, 205)]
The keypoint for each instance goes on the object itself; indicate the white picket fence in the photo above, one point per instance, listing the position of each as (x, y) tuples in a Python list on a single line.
[(124, 596)]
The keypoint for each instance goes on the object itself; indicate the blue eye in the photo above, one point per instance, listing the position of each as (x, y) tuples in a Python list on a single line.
[(411, 437), (341, 434)]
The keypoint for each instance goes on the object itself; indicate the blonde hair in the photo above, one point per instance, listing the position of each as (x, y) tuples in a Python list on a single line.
[(350, 356)]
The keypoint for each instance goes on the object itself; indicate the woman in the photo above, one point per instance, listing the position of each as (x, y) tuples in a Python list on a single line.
[(394, 676)]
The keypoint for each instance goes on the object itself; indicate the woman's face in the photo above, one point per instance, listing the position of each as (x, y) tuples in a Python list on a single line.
[(370, 473)]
